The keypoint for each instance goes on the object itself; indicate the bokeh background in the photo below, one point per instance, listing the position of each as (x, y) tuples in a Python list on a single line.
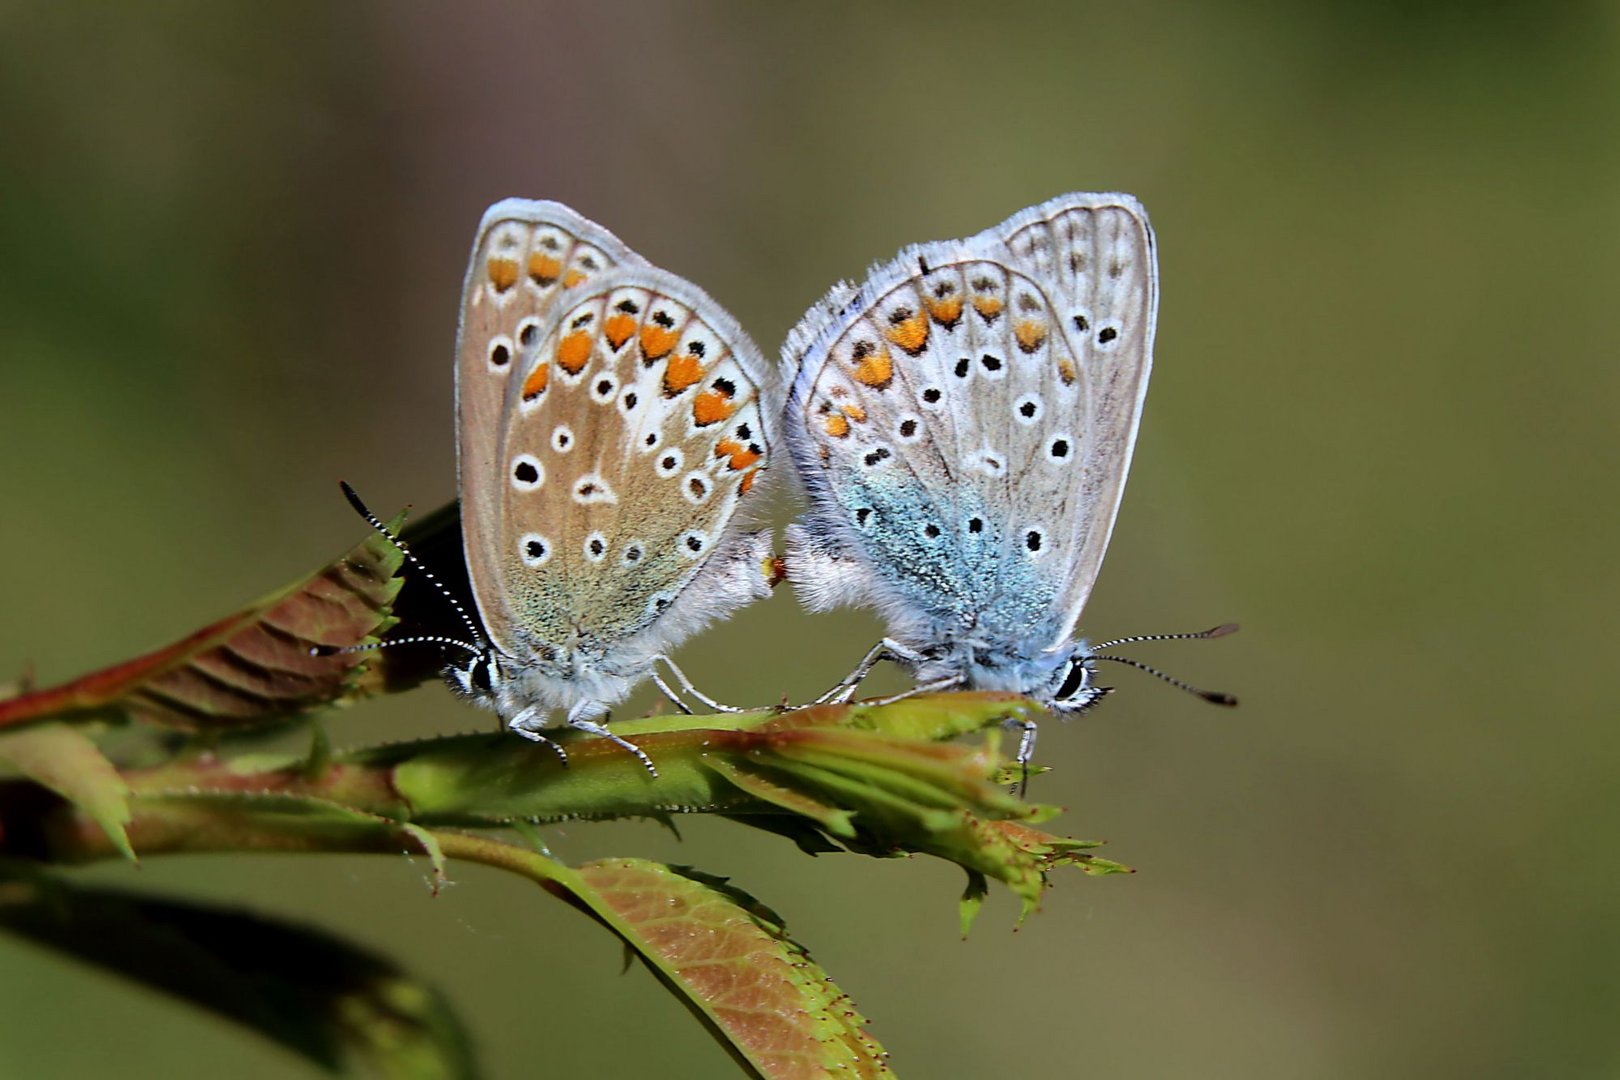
[(1381, 434)]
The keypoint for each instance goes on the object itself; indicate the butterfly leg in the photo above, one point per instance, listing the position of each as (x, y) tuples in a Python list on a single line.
[(686, 684), (528, 723), (887, 649), (664, 688), (579, 719), (949, 682), (1026, 750)]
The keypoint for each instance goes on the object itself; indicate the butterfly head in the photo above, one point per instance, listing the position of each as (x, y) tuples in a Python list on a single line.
[(1073, 687), (1062, 678), (477, 674)]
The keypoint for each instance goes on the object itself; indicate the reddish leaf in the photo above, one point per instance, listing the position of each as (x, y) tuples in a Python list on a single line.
[(731, 960), (250, 669)]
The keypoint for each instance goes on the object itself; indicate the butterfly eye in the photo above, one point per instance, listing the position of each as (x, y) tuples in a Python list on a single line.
[(1079, 679), (482, 673)]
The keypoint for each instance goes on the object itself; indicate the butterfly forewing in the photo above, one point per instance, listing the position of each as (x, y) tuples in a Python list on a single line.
[(526, 255), (631, 434), (957, 426)]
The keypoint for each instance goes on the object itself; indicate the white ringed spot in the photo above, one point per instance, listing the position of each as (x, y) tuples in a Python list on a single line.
[(534, 549), (528, 473)]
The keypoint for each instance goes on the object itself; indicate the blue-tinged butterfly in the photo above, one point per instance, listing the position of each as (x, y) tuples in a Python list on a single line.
[(963, 423)]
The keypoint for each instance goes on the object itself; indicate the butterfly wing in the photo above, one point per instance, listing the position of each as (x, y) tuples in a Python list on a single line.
[(526, 254), (959, 430), (629, 436), (1096, 258)]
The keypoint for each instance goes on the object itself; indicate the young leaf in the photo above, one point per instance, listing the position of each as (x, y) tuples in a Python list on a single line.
[(249, 669), (65, 760)]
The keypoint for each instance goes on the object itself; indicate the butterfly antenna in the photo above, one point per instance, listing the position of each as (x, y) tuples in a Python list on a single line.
[(388, 534), (1200, 635), (419, 639), (1212, 696)]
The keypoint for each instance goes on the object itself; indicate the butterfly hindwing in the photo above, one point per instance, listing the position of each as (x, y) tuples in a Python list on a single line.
[(956, 434), (631, 434)]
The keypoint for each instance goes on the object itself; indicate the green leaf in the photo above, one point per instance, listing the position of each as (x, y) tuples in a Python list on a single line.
[(65, 760), (335, 1004)]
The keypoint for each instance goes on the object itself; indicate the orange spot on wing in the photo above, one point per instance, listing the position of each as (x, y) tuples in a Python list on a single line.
[(574, 351), (911, 335), (747, 483), (947, 312), (681, 372), (1066, 370), (989, 307), (543, 269), (741, 456), (618, 329), (854, 412), (837, 426), (535, 384), (711, 407), (575, 276), (503, 273), (876, 370), (656, 341), (1031, 335)]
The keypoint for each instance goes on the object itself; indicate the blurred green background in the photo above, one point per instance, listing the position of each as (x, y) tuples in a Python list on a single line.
[(1381, 435)]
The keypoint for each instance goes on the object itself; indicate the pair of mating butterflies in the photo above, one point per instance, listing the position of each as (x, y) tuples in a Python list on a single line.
[(962, 424)]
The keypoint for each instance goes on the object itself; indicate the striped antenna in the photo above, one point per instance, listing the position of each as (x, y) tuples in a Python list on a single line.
[(1215, 697), (1197, 635), (388, 534)]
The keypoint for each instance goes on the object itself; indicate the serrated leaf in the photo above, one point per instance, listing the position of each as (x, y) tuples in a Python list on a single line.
[(732, 962), (247, 670), (69, 763), (335, 1004)]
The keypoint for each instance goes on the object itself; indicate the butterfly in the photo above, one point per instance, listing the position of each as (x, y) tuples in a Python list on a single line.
[(962, 423), (611, 421)]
